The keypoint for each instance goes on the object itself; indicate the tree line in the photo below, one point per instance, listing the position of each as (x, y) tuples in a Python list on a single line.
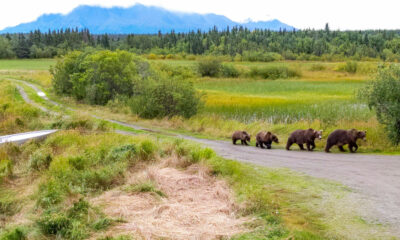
[(238, 43)]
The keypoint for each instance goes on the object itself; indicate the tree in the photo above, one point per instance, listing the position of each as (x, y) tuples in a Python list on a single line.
[(383, 95), (5, 48)]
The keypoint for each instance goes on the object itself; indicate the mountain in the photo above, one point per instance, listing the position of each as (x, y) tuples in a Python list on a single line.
[(137, 19)]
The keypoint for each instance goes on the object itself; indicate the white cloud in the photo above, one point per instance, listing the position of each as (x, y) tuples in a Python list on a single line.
[(340, 14)]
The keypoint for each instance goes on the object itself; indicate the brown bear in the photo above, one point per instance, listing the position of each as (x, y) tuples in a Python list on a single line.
[(243, 136), (301, 137), (266, 138), (342, 137)]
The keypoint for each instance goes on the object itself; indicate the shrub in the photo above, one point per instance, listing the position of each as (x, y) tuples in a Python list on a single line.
[(50, 193), (13, 234), (274, 72), (147, 150), (6, 168), (143, 187), (229, 70), (96, 77), (383, 95), (209, 66), (40, 159), (317, 67), (166, 97), (350, 67)]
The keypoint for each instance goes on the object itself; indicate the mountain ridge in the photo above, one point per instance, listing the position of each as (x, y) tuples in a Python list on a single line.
[(138, 19)]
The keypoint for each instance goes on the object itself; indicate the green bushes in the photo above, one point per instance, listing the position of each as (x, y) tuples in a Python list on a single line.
[(166, 97), (230, 71), (274, 72), (40, 159), (317, 67), (383, 95), (253, 56), (16, 233), (209, 67), (104, 76), (72, 223), (350, 67)]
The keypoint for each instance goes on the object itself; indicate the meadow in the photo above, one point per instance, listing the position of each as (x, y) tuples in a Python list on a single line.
[(323, 96)]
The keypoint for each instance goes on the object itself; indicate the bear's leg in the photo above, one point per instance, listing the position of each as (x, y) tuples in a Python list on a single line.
[(262, 145), (245, 143), (288, 144), (327, 147), (341, 148), (353, 145), (234, 141), (268, 146), (301, 146), (256, 144), (312, 145), (308, 146), (242, 142)]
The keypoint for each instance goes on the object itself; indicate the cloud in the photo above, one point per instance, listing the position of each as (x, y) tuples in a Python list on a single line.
[(340, 14)]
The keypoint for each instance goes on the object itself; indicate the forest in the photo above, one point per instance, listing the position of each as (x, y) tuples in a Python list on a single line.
[(237, 44)]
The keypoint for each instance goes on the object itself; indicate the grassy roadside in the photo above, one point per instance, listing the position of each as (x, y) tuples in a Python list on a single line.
[(281, 204)]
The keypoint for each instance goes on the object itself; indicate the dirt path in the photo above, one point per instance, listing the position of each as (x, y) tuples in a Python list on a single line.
[(375, 177)]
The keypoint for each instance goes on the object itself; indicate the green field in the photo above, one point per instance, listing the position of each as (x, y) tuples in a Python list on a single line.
[(27, 64), (323, 97)]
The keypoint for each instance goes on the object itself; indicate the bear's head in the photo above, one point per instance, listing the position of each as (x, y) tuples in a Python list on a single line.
[(362, 135), (318, 134), (246, 136), (274, 138)]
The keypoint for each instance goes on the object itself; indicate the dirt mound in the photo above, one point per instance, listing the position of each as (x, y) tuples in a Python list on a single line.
[(196, 206)]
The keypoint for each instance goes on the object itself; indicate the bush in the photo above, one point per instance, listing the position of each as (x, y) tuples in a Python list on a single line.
[(350, 67), (209, 66), (6, 168), (383, 95), (40, 159), (229, 70), (253, 56), (13, 234), (96, 77), (166, 97), (317, 67), (274, 72)]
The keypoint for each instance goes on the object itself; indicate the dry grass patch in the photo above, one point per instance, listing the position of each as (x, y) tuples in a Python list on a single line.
[(196, 205)]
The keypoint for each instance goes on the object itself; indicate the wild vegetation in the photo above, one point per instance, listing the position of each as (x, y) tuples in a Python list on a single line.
[(99, 77), (237, 44), (70, 168)]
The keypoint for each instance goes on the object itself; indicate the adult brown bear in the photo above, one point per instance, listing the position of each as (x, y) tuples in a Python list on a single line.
[(301, 137), (342, 137), (243, 136), (266, 138)]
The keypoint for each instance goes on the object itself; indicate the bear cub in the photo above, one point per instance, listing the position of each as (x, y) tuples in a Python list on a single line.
[(266, 138), (301, 137), (243, 136), (342, 137)]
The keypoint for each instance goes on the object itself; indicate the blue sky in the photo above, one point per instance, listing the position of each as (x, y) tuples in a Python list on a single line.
[(340, 14)]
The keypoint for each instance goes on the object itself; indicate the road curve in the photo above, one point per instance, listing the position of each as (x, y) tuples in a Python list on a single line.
[(375, 177)]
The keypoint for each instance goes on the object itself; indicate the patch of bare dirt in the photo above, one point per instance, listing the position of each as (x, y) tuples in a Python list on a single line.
[(196, 206)]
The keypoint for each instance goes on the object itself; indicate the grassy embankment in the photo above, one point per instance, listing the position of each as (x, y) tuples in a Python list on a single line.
[(46, 187)]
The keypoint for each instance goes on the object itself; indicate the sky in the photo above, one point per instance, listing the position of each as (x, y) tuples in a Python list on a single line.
[(340, 14)]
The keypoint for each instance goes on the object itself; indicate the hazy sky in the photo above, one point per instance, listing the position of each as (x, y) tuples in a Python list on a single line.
[(340, 14)]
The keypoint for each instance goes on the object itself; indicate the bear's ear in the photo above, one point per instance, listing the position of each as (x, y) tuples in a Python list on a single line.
[(269, 133)]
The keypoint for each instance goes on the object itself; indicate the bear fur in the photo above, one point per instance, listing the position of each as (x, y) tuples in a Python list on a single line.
[(266, 138), (342, 137), (243, 136), (301, 137)]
